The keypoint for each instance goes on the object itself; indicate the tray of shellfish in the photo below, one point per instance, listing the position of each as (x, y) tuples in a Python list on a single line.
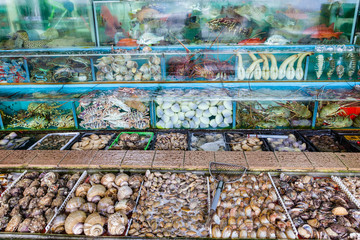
[(31, 202), (171, 140), (245, 141), (207, 141), (171, 204), (319, 207), (132, 141), (250, 208), (101, 205), (55, 141), (92, 141)]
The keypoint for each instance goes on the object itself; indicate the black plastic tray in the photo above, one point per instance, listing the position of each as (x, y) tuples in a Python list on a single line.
[(353, 143), (190, 133), (264, 146), (78, 139), (341, 141), (171, 131)]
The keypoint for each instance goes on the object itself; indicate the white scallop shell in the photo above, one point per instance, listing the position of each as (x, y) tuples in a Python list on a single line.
[(185, 124), (196, 120), (223, 125), (181, 116), (193, 125), (219, 119), (160, 124), (190, 114), (213, 123), (175, 118), (213, 110), (166, 105), (165, 118), (159, 111), (159, 101), (205, 120), (221, 108), (169, 125), (207, 114), (175, 107), (225, 113), (177, 125), (203, 106), (228, 120), (185, 108), (213, 102), (169, 112), (192, 106), (184, 103), (198, 113), (203, 125), (228, 105)]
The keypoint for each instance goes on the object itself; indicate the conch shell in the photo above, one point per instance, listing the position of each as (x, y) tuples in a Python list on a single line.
[(74, 223), (94, 225), (95, 178), (74, 204), (95, 193), (124, 192), (126, 205), (82, 190), (106, 205), (108, 179), (122, 179), (58, 224), (88, 207), (117, 223)]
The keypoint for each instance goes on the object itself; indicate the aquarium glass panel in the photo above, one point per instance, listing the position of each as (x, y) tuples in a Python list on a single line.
[(130, 23), (46, 24)]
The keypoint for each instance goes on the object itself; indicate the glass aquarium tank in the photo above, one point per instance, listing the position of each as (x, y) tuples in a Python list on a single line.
[(46, 24), (12, 70), (133, 23)]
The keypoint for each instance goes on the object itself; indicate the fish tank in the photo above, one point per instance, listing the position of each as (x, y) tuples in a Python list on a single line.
[(205, 108), (249, 22), (13, 70), (46, 24), (38, 115), (272, 108)]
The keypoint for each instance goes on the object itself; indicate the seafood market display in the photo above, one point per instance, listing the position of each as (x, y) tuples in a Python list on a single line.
[(353, 185), (92, 142), (201, 67), (250, 208), (171, 141), (289, 144), (59, 69), (326, 143), (31, 203), (193, 108), (12, 70), (207, 142), (101, 205), (319, 209), (53, 142), (12, 141), (127, 67), (171, 205), (131, 141), (239, 142), (39, 115), (118, 108)]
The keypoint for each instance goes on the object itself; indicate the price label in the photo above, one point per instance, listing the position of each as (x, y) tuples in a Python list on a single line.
[(352, 138)]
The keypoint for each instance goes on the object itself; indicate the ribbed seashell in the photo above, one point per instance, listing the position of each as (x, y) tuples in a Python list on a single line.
[(106, 205), (213, 110), (122, 179), (74, 204), (82, 190), (124, 192), (203, 106), (216, 232), (58, 225), (126, 205), (190, 114), (227, 113), (94, 225), (95, 193), (117, 222), (175, 107), (88, 207), (228, 105), (108, 179), (166, 105), (74, 223), (219, 119)]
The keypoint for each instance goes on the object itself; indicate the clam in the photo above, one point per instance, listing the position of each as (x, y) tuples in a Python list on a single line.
[(58, 225), (74, 204), (95, 193), (126, 205), (226, 232), (13, 224), (216, 232), (122, 179), (339, 211), (82, 190), (105, 205), (124, 192), (94, 225), (74, 223), (88, 207), (306, 231), (117, 222), (108, 180)]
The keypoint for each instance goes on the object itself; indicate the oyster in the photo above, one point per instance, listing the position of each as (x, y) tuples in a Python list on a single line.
[(49, 179), (13, 224), (25, 225), (37, 224)]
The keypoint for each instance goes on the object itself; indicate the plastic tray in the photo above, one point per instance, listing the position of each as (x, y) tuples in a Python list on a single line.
[(88, 134), (151, 134), (351, 137), (264, 146), (172, 131), (74, 134), (306, 134), (204, 133)]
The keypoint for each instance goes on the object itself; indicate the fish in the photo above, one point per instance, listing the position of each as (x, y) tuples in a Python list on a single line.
[(321, 31), (295, 14), (112, 25), (148, 39), (252, 41), (127, 42), (145, 13)]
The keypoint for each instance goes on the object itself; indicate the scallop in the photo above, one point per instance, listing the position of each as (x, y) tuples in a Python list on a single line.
[(175, 107), (213, 123), (74, 223), (185, 108), (228, 105), (166, 105), (74, 204), (226, 113), (181, 116), (122, 179), (207, 113), (193, 106), (108, 180), (213, 110), (95, 193), (94, 225), (117, 223), (168, 112), (198, 113), (203, 106), (219, 119), (190, 114), (159, 111), (204, 120)]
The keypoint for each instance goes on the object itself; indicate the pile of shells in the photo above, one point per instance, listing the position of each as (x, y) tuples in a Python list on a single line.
[(132, 141), (92, 142), (53, 142), (249, 208), (101, 205), (353, 185), (290, 144), (122, 68), (239, 142), (179, 108), (318, 208), (171, 141), (326, 143), (171, 205), (31, 203), (207, 142), (11, 141)]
